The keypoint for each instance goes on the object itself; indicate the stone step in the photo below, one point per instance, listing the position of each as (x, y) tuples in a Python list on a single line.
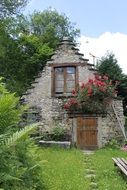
[(63, 144), (92, 176), (90, 171)]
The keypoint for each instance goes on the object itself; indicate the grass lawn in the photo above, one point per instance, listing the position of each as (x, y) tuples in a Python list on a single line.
[(66, 169), (107, 176), (63, 169)]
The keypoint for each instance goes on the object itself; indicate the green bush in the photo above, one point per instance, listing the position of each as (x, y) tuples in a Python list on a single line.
[(58, 133), (113, 144), (19, 169), (126, 123), (10, 110)]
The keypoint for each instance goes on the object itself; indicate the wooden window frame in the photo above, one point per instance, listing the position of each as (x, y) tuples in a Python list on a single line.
[(64, 94)]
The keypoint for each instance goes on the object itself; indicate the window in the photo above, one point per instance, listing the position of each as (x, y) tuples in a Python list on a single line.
[(65, 80)]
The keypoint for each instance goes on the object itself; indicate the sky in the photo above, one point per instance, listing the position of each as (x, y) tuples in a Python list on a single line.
[(102, 24)]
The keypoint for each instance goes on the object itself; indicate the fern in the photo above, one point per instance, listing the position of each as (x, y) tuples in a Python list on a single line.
[(15, 137)]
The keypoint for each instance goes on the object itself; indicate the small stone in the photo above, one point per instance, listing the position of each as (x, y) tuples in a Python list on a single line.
[(89, 171), (90, 176), (93, 184)]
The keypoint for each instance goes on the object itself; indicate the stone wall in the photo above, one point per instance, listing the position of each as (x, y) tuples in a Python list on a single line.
[(39, 98), (84, 74), (108, 126), (48, 110)]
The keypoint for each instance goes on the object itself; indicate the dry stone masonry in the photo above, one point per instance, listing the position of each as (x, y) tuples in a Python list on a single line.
[(47, 109)]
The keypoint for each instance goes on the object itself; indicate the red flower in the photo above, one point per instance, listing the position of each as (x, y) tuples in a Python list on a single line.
[(97, 76), (66, 106), (105, 77), (90, 91), (90, 81), (83, 85), (74, 92)]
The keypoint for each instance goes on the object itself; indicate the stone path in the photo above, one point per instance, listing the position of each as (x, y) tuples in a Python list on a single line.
[(90, 173)]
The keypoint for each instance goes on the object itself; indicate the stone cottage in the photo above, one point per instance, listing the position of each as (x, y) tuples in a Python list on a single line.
[(61, 74)]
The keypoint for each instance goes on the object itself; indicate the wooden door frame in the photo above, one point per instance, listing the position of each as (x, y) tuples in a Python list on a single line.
[(86, 147)]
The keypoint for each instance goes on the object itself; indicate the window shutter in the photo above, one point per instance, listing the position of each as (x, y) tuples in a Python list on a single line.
[(70, 79), (59, 80), (65, 80)]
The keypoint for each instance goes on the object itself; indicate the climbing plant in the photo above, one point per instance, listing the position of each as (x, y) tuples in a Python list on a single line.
[(92, 96)]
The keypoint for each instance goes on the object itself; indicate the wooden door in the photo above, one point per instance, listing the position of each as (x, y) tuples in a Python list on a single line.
[(87, 133)]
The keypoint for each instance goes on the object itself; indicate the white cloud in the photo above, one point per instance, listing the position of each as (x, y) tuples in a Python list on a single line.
[(112, 42)]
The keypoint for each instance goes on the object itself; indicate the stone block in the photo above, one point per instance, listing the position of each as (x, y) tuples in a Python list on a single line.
[(64, 144)]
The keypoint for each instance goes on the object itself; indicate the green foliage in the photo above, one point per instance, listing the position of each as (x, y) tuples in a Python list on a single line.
[(18, 167), (67, 169), (126, 123), (122, 92), (92, 97), (108, 65), (10, 110), (107, 175), (27, 43), (52, 26), (113, 144), (12, 7), (63, 169), (58, 133), (18, 136)]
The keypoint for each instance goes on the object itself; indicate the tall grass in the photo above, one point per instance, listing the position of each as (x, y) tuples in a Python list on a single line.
[(107, 175), (62, 169), (67, 169)]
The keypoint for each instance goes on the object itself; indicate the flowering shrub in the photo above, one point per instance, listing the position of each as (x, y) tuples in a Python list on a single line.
[(124, 148), (91, 97)]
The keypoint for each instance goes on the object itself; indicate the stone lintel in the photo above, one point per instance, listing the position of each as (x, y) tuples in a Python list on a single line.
[(67, 64)]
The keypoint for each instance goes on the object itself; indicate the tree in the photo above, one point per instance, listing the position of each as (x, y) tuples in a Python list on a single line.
[(9, 11), (11, 7), (108, 65), (28, 43), (52, 26), (122, 92)]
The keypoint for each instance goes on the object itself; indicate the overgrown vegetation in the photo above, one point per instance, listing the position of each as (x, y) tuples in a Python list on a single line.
[(107, 175), (63, 169), (25, 46), (67, 169), (92, 97), (27, 42), (19, 168), (108, 65), (57, 134)]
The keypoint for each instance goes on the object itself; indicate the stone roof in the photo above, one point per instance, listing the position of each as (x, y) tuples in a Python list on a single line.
[(67, 52)]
